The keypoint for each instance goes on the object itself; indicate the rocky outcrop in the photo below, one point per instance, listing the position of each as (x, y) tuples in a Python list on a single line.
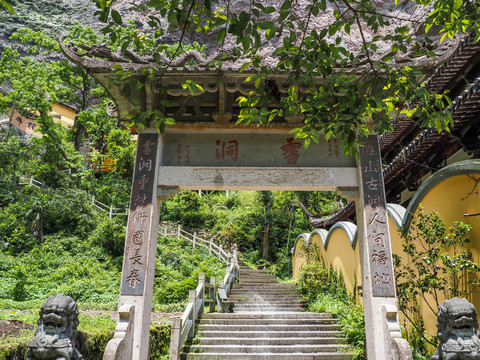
[(51, 16), (54, 17)]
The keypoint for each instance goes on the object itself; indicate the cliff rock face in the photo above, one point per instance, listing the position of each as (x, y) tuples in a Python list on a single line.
[(54, 17), (51, 16)]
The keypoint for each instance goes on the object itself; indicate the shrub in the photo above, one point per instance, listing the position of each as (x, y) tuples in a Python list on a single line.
[(177, 268), (325, 291), (110, 235), (435, 266)]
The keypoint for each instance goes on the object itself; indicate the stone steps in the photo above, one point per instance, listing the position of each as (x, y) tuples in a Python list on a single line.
[(271, 334), (267, 324), (272, 349), (267, 356), (268, 341), (266, 328)]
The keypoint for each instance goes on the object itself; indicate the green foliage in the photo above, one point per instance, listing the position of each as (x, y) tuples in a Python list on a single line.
[(160, 342), (69, 267), (351, 318), (437, 260), (241, 217), (435, 266), (345, 104), (177, 269), (324, 291), (313, 281), (111, 188), (110, 235)]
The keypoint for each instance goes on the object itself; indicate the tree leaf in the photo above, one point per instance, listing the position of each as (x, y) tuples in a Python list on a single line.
[(265, 24), (244, 66), (269, 10), (117, 17), (221, 35)]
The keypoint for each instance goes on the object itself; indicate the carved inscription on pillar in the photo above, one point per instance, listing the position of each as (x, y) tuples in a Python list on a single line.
[(380, 254), (135, 255)]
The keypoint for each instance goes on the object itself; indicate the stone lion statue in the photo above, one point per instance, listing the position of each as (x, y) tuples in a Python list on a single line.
[(57, 330), (457, 331)]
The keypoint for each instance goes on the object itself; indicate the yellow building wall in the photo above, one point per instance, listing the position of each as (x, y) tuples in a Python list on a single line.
[(451, 198), (339, 254), (67, 115), (342, 257), (298, 259)]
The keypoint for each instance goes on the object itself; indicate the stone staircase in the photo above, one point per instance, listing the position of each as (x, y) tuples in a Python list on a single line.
[(267, 324)]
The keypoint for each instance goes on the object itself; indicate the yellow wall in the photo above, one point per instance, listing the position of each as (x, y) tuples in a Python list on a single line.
[(339, 254), (67, 115), (344, 258), (452, 197), (298, 259)]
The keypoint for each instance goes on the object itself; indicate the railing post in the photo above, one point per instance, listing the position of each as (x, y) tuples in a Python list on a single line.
[(110, 212), (201, 281), (175, 339), (210, 242), (166, 229), (194, 238), (212, 294), (31, 180), (229, 259), (192, 300), (179, 231), (93, 200), (220, 249)]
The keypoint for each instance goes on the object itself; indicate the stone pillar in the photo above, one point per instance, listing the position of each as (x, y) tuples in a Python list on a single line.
[(383, 337), (138, 270)]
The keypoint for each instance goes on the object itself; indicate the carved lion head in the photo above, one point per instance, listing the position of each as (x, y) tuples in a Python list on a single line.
[(59, 316), (456, 318)]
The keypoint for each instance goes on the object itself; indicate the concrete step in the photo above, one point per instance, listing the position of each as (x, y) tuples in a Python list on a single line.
[(267, 324), (272, 321), (271, 349), (267, 302), (269, 327), (271, 334), (286, 297), (292, 315), (267, 341), (260, 309), (266, 291), (255, 285), (268, 307), (246, 284), (263, 300), (271, 356)]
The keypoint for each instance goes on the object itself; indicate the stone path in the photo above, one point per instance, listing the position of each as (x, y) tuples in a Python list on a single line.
[(267, 323)]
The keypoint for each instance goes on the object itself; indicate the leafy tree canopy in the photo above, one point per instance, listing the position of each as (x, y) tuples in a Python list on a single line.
[(349, 92)]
